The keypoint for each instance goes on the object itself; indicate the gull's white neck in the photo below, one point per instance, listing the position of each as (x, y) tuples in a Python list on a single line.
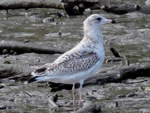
[(94, 34), (92, 37), (92, 40)]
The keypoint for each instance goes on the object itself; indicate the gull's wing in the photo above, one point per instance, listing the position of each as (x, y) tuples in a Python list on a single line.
[(69, 64)]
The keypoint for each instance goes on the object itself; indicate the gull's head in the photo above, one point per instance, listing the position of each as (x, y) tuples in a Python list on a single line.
[(95, 21)]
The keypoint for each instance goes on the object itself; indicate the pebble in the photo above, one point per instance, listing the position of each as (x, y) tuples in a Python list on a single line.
[(49, 19), (132, 95), (15, 53), (5, 51), (55, 98), (121, 96), (6, 55), (60, 33), (11, 51), (7, 62), (11, 100), (111, 105), (3, 107), (59, 14), (26, 41), (1, 86)]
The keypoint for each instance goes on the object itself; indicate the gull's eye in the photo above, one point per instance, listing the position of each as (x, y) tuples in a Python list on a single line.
[(99, 19)]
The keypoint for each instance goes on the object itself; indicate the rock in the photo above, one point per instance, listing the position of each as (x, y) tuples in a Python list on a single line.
[(59, 14), (7, 62), (132, 95), (89, 107), (49, 19), (122, 96), (26, 41), (119, 9), (111, 105), (3, 107), (5, 51), (60, 33), (11, 52), (2, 86)]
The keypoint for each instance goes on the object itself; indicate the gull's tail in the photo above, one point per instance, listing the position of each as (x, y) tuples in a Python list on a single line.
[(37, 78), (39, 75), (33, 78)]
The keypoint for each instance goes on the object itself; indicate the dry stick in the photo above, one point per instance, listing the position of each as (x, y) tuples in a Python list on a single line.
[(52, 102), (118, 56), (115, 52)]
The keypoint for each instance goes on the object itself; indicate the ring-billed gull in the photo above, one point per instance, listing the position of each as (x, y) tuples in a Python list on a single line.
[(79, 63)]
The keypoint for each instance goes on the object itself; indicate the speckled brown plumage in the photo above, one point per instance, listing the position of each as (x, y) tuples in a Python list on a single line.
[(71, 63)]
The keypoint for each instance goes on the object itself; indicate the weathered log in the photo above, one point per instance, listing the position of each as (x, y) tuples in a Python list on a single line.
[(120, 9), (20, 48), (27, 4), (113, 75), (126, 8), (120, 74)]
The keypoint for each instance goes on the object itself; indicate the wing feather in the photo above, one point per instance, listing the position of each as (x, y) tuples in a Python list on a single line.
[(69, 64)]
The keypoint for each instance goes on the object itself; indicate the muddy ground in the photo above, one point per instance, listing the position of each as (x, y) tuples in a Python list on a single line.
[(130, 36)]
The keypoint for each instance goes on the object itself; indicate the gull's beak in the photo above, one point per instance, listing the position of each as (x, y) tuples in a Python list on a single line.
[(108, 21)]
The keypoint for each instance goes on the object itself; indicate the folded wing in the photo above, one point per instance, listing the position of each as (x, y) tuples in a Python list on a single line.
[(68, 64)]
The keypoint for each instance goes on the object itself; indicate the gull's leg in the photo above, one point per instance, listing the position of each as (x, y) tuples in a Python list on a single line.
[(80, 94), (73, 91)]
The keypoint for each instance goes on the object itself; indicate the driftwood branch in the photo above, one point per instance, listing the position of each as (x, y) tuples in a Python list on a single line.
[(120, 74), (6, 47), (113, 75), (27, 4), (126, 8)]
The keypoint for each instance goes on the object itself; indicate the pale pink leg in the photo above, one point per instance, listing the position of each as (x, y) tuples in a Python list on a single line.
[(80, 94), (73, 91)]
